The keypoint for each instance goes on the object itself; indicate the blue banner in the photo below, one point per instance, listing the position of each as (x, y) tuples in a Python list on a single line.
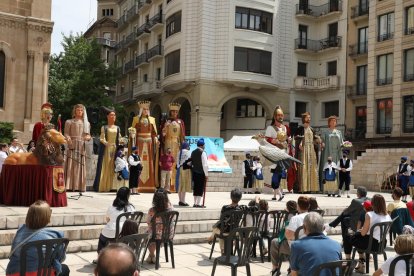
[(214, 147)]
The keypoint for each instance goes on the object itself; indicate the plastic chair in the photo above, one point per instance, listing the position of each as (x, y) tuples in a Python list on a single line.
[(278, 219), (47, 252), (137, 242), (137, 216), (260, 222), (229, 220), (409, 270), (169, 223), (244, 238), (345, 268), (384, 229)]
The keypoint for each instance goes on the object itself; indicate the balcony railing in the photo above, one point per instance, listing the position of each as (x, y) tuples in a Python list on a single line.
[(409, 77), (384, 81), (143, 29), (106, 42), (120, 71), (124, 97), (130, 38), (132, 12), (361, 10), (129, 66), (318, 45), (317, 11), (384, 37), (141, 59), (358, 90), (155, 20), (121, 21), (156, 51), (358, 49), (317, 83), (409, 31), (120, 45)]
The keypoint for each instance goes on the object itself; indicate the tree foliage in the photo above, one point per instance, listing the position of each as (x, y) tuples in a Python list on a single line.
[(79, 75), (6, 132)]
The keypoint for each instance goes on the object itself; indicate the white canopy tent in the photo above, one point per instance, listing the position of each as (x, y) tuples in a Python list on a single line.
[(241, 143)]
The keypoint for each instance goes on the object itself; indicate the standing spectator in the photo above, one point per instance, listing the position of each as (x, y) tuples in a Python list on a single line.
[(3, 155), (403, 177), (31, 146), (361, 238), (247, 172), (160, 203), (200, 172), (396, 196), (184, 161), (411, 179), (135, 170), (37, 218), (349, 217), (258, 175), (15, 146), (282, 246), (314, 249), (329, 177), (120, 205), (166, 163), (345, 166), (404, 244), (117, 259)]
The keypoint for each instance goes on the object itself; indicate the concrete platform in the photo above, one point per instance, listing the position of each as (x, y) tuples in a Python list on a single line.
[(83, 219)]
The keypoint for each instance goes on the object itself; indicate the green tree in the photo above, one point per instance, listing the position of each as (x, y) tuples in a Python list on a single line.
[(79, 75)]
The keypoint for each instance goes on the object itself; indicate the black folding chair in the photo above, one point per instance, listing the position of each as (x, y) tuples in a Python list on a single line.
[(229, 220), (136, 215), (47, 252), (278, 219), (244, 237), (258, 221), (168, 223), (382, 243), (137, 242), (409, 269), (344, 267)]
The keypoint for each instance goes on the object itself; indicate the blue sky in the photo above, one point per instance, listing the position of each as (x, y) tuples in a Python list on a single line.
[(71, 16)]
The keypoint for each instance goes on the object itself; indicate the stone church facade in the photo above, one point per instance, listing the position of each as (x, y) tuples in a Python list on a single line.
[(25, 39)]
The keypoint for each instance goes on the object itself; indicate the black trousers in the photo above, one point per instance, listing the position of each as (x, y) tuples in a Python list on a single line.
[(344, 220), (344, 178), (248, 181), (358, 241), (199, 180)]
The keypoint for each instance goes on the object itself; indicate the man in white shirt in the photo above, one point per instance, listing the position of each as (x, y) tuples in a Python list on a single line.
[(279, 247), (15, 146), (200, 172), (3, 154), (345, 165)]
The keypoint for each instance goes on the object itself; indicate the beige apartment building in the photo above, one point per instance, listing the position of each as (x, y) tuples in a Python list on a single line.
[(380, 81), (25, 28)]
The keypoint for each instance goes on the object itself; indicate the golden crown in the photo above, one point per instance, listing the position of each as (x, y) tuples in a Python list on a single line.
[(143, 104), (174, 106)]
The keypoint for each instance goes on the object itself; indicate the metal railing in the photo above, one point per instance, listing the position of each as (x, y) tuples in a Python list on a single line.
[(141, 59), (318, 45), (356, 90), (409, 31), (155, 51), (124, 97), (384, 37), (360, 48), (156, 19), (384, 130), (409, 77), (143, 29), (384, 81), (359, 10), (321, 10), (129, 66), (133, 11), (121, 21)]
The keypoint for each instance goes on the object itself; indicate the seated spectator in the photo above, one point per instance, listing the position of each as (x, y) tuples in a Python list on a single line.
[(121, 164), (367, 208), (120, 205), (396, 195), (3, 155), (313, 204), (253, 206), (160, 203), (235, 196), (282, 246), (16, 146), (314, 249), (404, 244), (117, 259), (31, 146), (361, 238), (38, 216), (130, 227), (350, 216)]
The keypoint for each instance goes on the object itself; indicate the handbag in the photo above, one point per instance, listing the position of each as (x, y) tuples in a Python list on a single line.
[(186, 164)]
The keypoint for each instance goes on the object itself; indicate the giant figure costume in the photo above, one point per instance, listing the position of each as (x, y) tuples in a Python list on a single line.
[(147, 143), (46, 114)]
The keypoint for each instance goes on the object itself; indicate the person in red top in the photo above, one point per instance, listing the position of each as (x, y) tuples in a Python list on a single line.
[(166, 163), (410, 207), (46, 115)]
